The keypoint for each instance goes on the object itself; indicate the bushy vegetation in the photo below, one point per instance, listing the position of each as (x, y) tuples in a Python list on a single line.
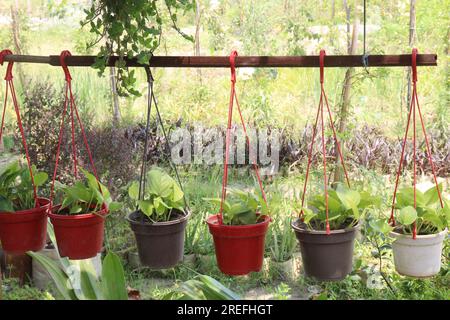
[(283, 99)]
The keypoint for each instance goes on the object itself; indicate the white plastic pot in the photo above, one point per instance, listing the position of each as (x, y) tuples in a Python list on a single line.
[(420, 257)]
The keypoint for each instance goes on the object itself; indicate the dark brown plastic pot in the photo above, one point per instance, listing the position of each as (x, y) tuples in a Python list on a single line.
[(161, 244), (326, 257)]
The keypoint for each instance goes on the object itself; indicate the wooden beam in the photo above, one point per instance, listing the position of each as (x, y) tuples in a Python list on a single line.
[(241, 61)]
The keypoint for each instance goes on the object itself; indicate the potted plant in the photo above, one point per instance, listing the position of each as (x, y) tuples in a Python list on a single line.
[(79, 219), (23, 218), (419, 256), (325, 256), (160, 219), (239, 239)]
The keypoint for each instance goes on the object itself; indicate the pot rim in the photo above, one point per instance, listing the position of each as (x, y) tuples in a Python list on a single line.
[(323, 232), (30, 210), (101, 214), (186, 216), (398, 235), (266, 220)]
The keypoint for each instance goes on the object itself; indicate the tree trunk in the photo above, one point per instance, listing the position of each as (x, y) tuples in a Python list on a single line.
[(116, 109), (16, 39), (412, 37), (198, 14), (345, 103)]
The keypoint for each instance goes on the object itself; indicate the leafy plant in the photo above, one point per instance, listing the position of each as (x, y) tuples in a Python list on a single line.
[(85, 196), (131, 29), (428, 214), (78, 280), (241, 207), (162, 196), (202, 287), (16, 188), (345, 208)]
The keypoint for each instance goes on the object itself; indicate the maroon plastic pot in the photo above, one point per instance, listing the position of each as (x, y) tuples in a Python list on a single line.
[(161, 244), (326, 257), (78, 236), (25, 230), (239, 249)]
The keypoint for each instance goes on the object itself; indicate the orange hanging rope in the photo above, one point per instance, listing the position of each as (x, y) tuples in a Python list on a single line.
[(320, 112), (412, 111)]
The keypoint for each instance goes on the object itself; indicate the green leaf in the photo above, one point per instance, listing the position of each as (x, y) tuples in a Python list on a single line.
[(113, 278), (133, 190), (349, 198), (159, 183), (407, 216), (89, 281), (432, 217), (57, 274), (40, 178), (6, 205), (381, 226), (431, 196), (146, 206)]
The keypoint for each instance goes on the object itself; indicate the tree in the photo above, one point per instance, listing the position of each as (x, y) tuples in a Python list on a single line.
[(346, 88), (129, 29)]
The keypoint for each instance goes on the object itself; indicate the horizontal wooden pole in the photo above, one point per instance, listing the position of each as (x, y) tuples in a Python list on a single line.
[(401, 60)]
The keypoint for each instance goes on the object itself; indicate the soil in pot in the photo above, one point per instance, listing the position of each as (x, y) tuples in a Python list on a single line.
[(420, 257), (161, 244), (78, 236), (326, 257), (239, 249), (25, 230)]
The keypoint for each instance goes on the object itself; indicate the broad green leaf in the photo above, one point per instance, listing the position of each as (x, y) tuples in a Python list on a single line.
[(177, 193), (432, 217), (381, 225), (146, 206), (133, 190), (159, 183), (431, 195), (213, 289), (75, 209), (113, 278), (89, 280), (349, 198), (40, 178), (115, 206), (58, 276), (407, 216)]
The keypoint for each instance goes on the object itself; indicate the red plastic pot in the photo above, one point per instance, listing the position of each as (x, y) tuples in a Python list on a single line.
[(25, 230), (239, 249), (78, 236)]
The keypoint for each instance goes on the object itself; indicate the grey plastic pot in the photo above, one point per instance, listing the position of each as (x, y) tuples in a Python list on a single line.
[(326, 257), (161, 244), (420, 257)]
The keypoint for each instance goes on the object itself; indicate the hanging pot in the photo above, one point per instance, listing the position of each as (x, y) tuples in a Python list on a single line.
[(326, 257), (420, 257), (160, 244), (78, 236), (239, 249), (24, 230)]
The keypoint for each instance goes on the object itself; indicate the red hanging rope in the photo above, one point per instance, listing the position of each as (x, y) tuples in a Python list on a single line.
[(323, 97), (69, 100), (233, 97), (412, 110), (10, 84)]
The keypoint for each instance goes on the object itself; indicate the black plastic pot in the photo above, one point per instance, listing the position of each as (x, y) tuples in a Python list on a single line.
[(326, 257), (161, 244)]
